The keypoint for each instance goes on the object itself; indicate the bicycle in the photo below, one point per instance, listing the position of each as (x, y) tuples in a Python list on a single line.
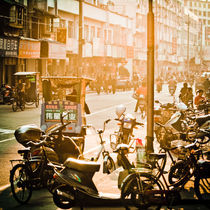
[(34, 171), (145, 189), (18, 102), (108, 162)]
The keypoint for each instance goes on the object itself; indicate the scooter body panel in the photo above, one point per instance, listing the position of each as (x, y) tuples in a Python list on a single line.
[(79, 180)]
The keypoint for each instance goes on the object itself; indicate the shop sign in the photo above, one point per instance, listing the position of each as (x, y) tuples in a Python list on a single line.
[(57, 51), (8, 47), (29, 49), (53, 50)]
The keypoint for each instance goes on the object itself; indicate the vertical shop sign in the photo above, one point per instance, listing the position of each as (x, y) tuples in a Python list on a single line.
[(8, 47)]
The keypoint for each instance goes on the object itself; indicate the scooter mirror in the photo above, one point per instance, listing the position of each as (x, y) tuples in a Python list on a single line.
[(120, 110)]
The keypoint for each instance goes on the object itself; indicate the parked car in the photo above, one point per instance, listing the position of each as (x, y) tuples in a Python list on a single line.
[(123, 83)]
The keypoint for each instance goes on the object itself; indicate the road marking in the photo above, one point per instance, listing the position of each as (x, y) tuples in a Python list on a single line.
[(1, 141), (6, 131), (104, 110)]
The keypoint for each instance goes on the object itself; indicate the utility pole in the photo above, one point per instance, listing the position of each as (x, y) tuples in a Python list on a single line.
[(188, 45), (150, 79), (80, 47)]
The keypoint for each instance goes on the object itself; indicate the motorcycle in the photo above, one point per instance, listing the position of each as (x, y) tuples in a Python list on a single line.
[(127, 123), (172, 89), (163, 112), (171, 130), (6, 94)]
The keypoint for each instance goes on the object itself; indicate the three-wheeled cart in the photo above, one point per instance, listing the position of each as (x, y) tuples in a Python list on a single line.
[(30, 82), (65, 94)]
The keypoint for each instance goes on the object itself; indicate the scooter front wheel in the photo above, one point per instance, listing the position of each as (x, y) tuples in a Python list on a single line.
[(64, 197)]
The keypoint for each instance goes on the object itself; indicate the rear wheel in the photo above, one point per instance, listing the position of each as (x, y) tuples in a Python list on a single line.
[(137, 189), (20, 183), (14, 106), (61, 200), (22, 106), (178, 173), (202, 188)]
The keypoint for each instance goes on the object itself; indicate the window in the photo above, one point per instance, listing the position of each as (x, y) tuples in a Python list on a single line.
[(109, 38), (92, 32), (70, 29), (105, 35), (98, 32), (16, 15), (86, 32), (62, 23), (208, 22)]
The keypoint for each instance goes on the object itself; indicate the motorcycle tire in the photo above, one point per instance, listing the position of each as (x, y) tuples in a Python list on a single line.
[(62, 201), (20, 183), (202, 188), (179, 173), (14, 106)]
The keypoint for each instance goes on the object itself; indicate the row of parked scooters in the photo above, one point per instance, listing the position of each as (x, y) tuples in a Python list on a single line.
[(54, 161)]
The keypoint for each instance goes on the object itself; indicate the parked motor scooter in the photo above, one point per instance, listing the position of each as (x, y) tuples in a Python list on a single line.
[(127, 123), (6, 94), (76, 186)]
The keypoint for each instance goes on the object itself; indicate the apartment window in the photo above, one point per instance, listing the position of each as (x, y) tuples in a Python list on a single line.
[(199, 13), (49, 24), (92, 32), (98, 32), (109, 38), (16, 15), (208, 22), (105, 35), (208, 14), (86, 32), (204, 13), (62, 23), (70, 29)]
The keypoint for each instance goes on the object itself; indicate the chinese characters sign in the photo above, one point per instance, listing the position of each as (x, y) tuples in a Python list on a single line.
[(29, 49), (8, 47), (53, 108)]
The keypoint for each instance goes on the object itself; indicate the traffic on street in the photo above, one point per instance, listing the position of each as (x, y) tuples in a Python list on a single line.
[(105, 104)]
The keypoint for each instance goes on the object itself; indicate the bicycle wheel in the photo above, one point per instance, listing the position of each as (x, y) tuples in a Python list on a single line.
[(178, 173), (134, 188), (20, 183), (157, 172), (202, 188), (22, 106), (14, 106)]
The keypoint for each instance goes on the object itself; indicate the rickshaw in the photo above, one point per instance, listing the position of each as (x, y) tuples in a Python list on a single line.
[(65, 94), (30, 81)]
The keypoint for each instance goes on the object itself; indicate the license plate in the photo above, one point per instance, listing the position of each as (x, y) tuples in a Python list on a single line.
[(127, 125)]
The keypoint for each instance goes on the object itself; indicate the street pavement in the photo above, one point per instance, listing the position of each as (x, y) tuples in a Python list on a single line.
[(42, 199)]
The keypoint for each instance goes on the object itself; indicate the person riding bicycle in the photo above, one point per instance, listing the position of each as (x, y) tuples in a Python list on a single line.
[(142, 90), (21, 91)]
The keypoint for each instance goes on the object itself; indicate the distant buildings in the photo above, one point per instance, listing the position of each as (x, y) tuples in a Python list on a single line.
[(43, 36)]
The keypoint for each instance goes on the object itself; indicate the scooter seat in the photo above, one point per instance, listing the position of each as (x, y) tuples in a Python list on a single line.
[(82, 165), (202, 119)]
